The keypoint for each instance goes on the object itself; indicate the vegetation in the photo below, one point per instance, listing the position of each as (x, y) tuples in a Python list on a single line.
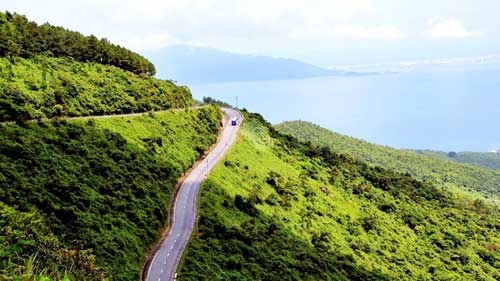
[(209, 100), (278, 209), (20, 37), (446, 174), (86, 199), (43, 87), (490, 160)]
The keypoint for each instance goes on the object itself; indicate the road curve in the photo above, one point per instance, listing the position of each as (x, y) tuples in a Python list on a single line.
[(165, 260)]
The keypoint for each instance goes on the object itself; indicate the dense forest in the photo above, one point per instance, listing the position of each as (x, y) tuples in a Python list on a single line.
[(87, 199), (42, 87), (48, 72), (20, 37), (450, 175), (279, 209)]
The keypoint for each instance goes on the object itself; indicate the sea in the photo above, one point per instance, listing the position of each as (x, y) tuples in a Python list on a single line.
[(447, 108)]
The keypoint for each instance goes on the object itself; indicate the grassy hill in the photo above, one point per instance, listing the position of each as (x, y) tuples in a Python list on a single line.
[(48, 71), (278, 209), (20, 37), (444, 173), (488, 160), (45, 87), (86, 199)]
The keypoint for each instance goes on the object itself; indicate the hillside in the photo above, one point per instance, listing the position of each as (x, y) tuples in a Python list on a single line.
[(189, 64), (447, 174), (45, 87), (276, 209), (48, 71), (20, 37), (490, 160), (87, 198)]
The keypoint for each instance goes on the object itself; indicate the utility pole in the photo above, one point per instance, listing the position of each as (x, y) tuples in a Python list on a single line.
[(237, 102)]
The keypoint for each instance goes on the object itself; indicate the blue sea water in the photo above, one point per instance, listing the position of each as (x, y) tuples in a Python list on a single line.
[(453, 108)]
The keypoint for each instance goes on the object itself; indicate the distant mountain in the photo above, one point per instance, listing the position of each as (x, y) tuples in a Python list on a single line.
[(489, 160), (188, 64)]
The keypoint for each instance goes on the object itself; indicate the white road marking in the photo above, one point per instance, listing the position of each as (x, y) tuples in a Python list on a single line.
[(185, 199)]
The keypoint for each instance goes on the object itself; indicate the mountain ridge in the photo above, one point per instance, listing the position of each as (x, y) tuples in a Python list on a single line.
[(198, 65)]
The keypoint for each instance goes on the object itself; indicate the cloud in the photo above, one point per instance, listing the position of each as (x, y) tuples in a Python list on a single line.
[(220, 22), (149, 41), (243, 25), (450, 28), (257, 11), (355, 32), (361, 32), (155, 41)]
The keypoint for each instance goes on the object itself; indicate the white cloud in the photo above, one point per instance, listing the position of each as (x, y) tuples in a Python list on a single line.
[(155, 41), (361, 32), (356, 32), (149, 41), (258, 12), (450, 28), (217, 22)]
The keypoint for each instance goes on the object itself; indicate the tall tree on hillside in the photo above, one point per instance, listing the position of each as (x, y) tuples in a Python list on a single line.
[(21, 38)]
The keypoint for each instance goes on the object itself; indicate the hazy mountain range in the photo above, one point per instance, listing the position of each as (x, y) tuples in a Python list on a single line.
[(188, 64)]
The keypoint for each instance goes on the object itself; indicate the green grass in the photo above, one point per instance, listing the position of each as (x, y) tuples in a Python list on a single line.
[(91, 196), (43, 87), (446, 174), (276, 209)]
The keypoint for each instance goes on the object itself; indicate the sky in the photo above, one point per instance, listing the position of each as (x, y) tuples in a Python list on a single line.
[(323, 32)]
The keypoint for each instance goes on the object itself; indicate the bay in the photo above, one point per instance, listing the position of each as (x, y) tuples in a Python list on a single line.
[(449, 108)]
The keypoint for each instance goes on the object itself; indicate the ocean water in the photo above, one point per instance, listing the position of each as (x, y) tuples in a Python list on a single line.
[(452, 108)]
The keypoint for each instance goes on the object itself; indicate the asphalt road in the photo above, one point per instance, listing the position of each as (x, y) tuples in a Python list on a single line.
[(164, 263)]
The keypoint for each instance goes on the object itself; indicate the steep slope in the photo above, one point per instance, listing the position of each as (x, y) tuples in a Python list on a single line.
[(277, 209), (43, 87), (86, 199), (447, 174), (190, 64), (48, 71), (490, 160)]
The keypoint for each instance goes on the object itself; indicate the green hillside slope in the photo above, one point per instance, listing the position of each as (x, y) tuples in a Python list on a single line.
[(447, 174), (490, 160), (43, 87), (20, 37), (87, 198), (276, 209)]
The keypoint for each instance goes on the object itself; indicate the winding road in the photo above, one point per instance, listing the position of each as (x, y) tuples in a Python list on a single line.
[(163, 264)]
